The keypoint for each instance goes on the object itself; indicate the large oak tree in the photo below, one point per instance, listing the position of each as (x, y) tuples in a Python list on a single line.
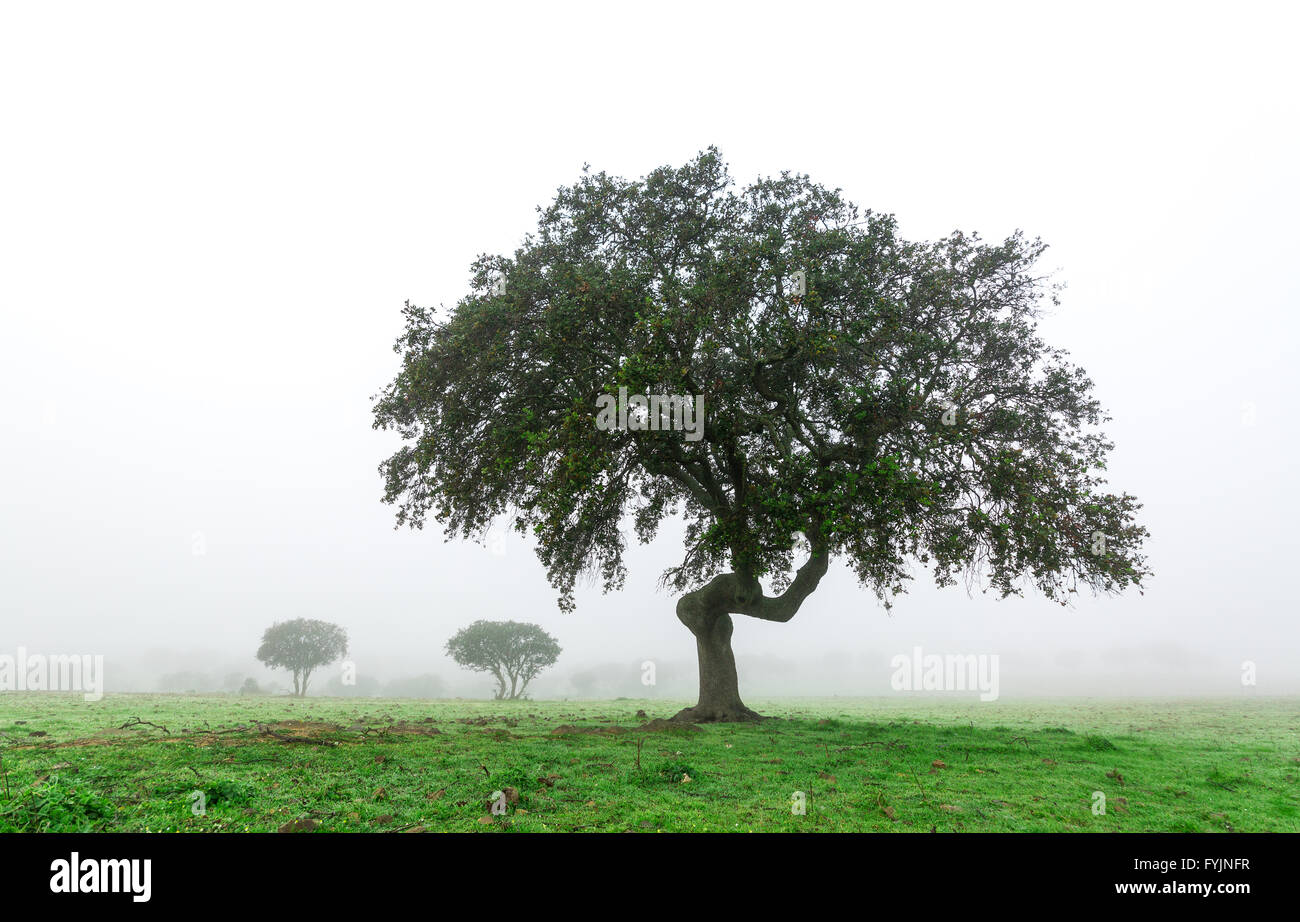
[(885, 402)]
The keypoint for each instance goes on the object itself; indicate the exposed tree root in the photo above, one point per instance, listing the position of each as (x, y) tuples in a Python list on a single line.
[(708, 714)]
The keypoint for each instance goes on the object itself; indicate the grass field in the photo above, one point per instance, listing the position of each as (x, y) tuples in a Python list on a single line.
[(134, 763)]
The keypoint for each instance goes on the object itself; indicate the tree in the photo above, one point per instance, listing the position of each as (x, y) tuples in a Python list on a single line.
[(884, 402), (301, 645), (507, 649)]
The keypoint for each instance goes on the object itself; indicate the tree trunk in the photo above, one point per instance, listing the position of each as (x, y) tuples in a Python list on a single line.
[(707, 613), (719, 699)]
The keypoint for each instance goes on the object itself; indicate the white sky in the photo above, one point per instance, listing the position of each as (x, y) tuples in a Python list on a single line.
[(210, 216)]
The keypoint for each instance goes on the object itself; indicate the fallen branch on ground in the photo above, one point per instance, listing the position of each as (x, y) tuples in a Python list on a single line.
[(137, 722)]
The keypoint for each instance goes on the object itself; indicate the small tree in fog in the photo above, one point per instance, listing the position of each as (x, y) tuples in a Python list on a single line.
[(300, 646), (513, 652)]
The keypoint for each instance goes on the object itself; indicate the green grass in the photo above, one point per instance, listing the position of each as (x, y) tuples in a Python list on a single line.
[(895, 764)]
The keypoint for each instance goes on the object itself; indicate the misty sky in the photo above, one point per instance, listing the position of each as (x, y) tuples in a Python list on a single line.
[(210, 219)]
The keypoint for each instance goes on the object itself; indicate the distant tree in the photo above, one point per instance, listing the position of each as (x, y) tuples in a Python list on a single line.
[(301, 645), (511, 651), (250, 687)]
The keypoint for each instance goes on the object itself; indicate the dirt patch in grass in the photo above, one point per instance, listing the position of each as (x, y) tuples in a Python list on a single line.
[(413, 730), (659, 725)]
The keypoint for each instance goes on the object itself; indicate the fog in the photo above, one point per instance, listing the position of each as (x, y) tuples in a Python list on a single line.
[(209, 222)]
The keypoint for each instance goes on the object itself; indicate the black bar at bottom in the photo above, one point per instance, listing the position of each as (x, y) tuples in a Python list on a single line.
[(303, 871)]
